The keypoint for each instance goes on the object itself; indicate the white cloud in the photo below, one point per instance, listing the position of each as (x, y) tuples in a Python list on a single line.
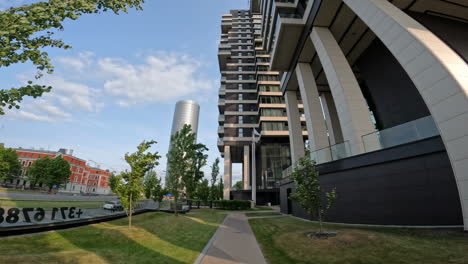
[(162, 78), (84, 82)]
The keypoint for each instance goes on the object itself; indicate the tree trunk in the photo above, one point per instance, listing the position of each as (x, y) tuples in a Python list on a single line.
[(130, 212)]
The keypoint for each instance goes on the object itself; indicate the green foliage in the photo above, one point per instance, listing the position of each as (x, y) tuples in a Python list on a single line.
[(232, 204), (113, 182), (185, 160), (49, 171), (152, 187), (203, 190), (26, 30), (238, 185), (220, 188), (214, 178), (10, 167), (198, 160), (129, 184), (308, 193)]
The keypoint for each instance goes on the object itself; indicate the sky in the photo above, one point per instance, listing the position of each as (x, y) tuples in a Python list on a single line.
[(119, 83)]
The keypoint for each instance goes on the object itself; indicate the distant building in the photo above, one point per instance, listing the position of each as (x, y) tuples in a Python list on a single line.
[(83, 179)]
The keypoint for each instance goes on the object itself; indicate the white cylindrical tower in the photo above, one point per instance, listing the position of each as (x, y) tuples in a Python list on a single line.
[(186, 112)]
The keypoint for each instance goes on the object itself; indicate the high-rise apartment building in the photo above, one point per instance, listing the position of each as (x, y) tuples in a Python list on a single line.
[(384, 89), (250, 99)]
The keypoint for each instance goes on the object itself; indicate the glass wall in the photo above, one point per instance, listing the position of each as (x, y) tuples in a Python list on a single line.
[(275, 157)]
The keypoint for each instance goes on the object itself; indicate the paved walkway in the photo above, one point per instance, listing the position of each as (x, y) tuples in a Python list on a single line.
[(233, 242)]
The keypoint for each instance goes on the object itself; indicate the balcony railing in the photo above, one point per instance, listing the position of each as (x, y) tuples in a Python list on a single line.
[(405, 133)]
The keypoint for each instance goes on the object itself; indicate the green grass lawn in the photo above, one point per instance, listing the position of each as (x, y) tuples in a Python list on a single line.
[(262, 214), (283, 241), (21, 191), (155, 238), (8, 202)]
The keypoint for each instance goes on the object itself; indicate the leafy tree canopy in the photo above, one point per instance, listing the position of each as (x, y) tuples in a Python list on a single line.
[(238, 185), (26, 30), (49, 171), (203, 190), (214, 178), (152, 187), (10, 166)]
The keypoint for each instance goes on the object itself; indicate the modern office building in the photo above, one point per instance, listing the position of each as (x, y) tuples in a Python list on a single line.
[(250, 100), (384, 90)]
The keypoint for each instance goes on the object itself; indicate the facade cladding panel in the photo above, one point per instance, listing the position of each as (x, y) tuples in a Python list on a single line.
[(391, 80), (186, 112)]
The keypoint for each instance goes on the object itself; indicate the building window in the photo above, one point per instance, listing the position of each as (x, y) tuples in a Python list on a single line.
[(76, 179), (239, 86), (239, 77), (24, 162), (239, 61), (240, 68), (29, 164), (240, 96), (241, 108), (241, 119)]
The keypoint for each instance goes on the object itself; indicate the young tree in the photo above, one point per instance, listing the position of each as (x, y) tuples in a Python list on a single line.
[(214, 177), (129, 184), (185, 160), (308, 193), (238, 185), (203, 190), (152, 187), (10, 167), (26, 30)]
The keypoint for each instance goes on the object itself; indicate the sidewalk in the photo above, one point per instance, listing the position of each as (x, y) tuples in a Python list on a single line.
[(233, 242)]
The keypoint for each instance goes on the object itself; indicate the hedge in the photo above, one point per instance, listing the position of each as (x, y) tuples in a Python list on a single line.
[(232, 204)]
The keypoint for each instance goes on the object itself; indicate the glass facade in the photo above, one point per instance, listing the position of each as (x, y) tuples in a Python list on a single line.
[(275, 157)]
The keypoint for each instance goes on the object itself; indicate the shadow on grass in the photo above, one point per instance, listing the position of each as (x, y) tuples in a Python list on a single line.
[(115, 246)]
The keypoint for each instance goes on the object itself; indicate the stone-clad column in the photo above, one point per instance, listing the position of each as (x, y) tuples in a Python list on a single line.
[(316, 128), (331, 117), (353, 112), (246, 168), (227, 172), (438, 72), (296, 141)]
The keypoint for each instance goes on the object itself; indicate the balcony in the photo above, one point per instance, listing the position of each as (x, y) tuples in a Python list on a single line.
[(221, 105), (286, 37), (221, 119), (226, 24), (220, 130), (222, 93), (223, 56)]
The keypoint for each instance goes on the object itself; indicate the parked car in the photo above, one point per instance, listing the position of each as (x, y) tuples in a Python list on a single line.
[(112, 205)]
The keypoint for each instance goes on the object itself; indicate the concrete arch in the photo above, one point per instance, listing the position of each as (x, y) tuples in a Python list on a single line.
[(439, 74)]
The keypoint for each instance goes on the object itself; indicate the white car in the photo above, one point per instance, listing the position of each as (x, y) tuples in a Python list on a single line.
[(112, 205)]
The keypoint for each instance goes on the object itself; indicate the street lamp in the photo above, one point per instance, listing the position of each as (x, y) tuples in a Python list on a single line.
[(254, 176)]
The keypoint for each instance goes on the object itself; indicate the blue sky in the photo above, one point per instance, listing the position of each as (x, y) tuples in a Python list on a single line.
[(119, 83)]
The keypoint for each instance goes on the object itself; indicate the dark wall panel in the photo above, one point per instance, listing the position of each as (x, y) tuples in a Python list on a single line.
[(388, 89), (417, 189)]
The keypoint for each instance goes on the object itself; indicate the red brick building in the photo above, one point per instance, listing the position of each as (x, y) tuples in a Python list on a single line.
[(83, 179)]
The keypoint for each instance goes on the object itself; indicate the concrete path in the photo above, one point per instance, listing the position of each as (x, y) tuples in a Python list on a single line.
[(233, 242)]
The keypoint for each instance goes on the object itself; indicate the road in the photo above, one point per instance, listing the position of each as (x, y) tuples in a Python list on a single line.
[(57, 197)]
